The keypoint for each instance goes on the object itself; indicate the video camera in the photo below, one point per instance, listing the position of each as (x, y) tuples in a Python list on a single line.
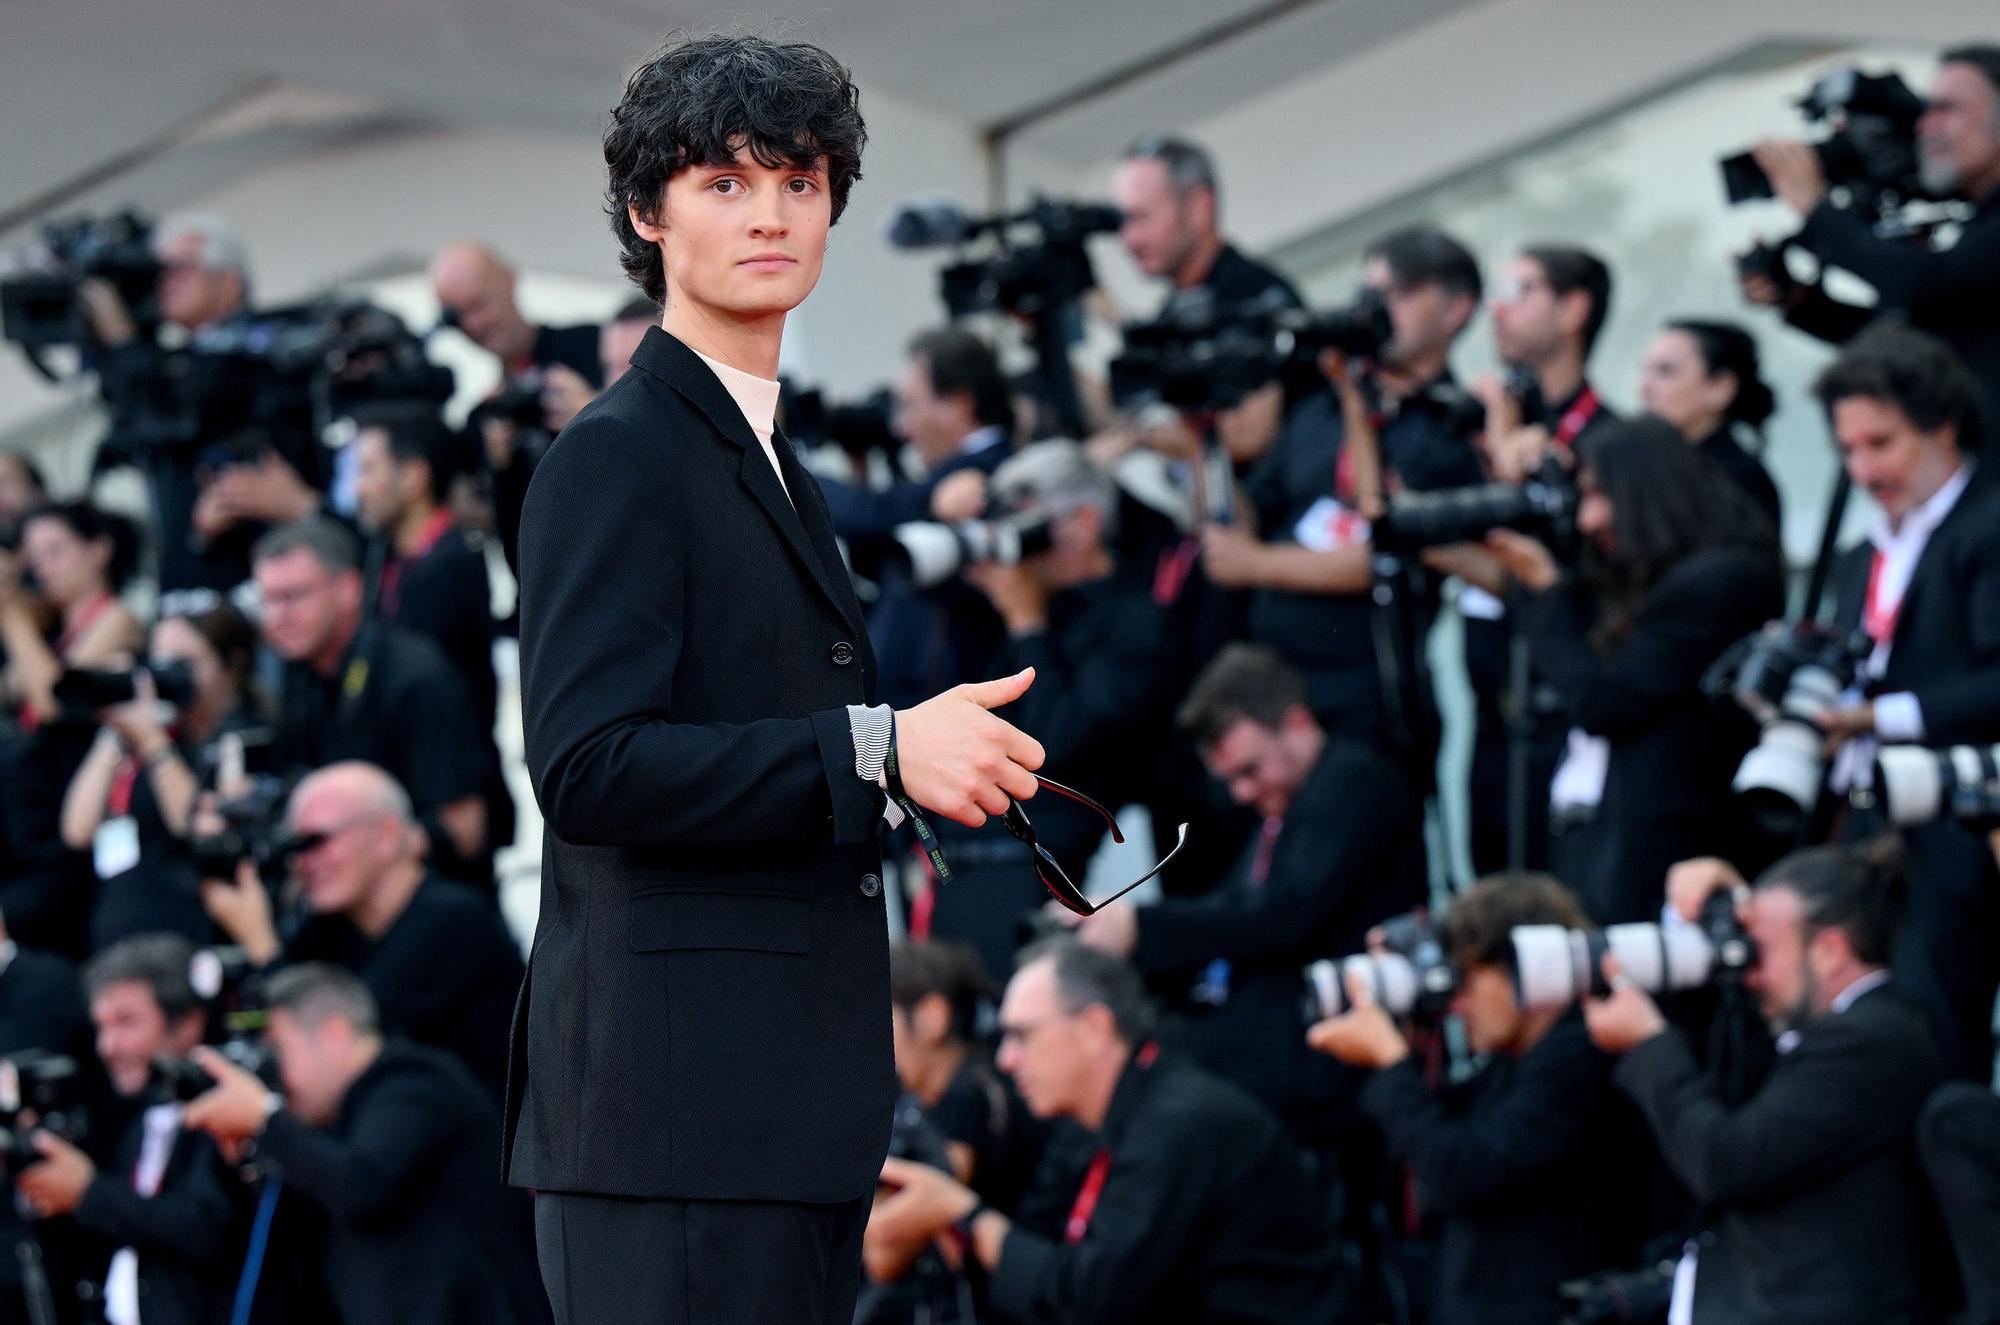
[(254, 830), (1788, 676), (39, 307), (1038, 264), (232, 992), (1554, 966), (1871, 151), (1411, 975), (39, 1091), (1199, 356)]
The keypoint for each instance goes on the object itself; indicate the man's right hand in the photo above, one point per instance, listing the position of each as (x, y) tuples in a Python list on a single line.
[(959, 760), (110, 321), (1690, 882)]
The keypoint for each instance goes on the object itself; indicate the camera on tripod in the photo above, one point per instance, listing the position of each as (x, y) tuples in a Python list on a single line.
[(1788, 676), (39, 306), (1871, 151), (1409, 976), (1038, 264)]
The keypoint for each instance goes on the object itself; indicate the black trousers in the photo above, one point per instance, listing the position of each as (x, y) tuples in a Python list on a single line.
[(1959, 1138), (614, 1261)]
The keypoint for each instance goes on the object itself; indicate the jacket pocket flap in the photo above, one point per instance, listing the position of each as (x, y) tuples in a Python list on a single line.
[(750, 922)]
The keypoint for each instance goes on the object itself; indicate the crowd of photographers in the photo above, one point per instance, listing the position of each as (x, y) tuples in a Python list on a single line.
[(1710, 1039)]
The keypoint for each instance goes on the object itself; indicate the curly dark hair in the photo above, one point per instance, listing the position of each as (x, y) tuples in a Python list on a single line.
[(1917, 373), (699, 101)]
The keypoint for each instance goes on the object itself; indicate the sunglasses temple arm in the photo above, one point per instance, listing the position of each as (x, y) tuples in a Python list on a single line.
[(1165, 861)]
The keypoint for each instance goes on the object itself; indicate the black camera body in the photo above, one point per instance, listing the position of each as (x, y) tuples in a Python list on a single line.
[(39, 1091), (1031, 279), (83, 693), (39, 307), (254, 830), (1871, 152), (1198, 356), (1545, 506)]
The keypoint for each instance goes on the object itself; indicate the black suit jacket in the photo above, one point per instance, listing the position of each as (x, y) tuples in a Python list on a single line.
[(420, 1230), (1673, 750), (706, 1013), (188, 1235), (1814, 1195)]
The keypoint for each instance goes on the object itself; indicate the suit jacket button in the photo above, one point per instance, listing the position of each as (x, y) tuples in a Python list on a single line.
[(843, 654), (871, 885)]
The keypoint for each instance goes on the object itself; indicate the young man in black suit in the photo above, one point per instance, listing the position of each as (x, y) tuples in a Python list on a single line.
[(702, 1083), (1925, 587), (1814, 1205)]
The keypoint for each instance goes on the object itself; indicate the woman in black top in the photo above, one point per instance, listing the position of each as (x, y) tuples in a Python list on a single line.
[(1673, 569), (1702, 378), (131, 800)]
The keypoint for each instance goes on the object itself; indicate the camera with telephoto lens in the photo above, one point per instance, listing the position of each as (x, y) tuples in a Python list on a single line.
[(1199, 356), (1788, 676), (82, 693), (231, 989), (1409, 977), (39, 306), (1545, 505), (1871, 153), (1915, 785), (39, 1091), (931, 552), (1555, 966)]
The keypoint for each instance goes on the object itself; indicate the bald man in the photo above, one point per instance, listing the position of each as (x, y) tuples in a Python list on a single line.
[(435, 954), (475, 288)]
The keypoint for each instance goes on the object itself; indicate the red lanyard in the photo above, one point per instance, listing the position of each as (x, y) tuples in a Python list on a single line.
[(1577, 417), (1267, 846), (1100, 1167), (84, 621), (1879, 622), (389, 590)]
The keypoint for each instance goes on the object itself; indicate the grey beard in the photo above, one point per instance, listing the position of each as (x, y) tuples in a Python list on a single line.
[(1940, 175)]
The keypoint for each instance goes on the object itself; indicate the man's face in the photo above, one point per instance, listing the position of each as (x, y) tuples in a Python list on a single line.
[(1782, 977), (1958, 138), (1485, 1003), (192, 296), (479, 293), (1527, 322), (1045, 1048), (743, 241), (1263, 766), (932, 423), (1900, 465), (1426, 319), (306, 607), (132, 1032), (382, 487), (309, 1064), (618, 343), (1161, 229), (360, 845)]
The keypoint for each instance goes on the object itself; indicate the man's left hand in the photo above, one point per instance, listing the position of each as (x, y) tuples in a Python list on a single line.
[(55, 1184), (1115, 929), (925, 1201), (1795, 172), (1625, 1018), (1015, 593)]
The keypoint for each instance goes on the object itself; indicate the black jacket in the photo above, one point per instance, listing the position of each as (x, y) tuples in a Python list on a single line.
[(706, 1013), (1814, 1194), (1946, 652), (188, 1235), (421, 1231), (1536, 1170), (1674, 751), (1204, 1215)]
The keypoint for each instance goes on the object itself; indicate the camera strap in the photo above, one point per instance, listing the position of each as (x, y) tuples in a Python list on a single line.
[(1577, 417), (892, 777), (1092, 1191)]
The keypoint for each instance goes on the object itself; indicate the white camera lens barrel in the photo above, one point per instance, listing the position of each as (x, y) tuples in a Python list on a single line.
[(1546, 965), (1661, 958), (1390, 979), (1910, 780), (934, 551), (1785, 761)]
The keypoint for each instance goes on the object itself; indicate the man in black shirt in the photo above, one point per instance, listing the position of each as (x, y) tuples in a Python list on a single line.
[(396, 1144), (438, 959), (1311, 575), (1950, 292), (377, 693), (163, 1198), (1194, 1206), (476, 291)]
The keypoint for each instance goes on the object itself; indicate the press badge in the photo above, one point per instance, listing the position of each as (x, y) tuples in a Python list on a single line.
[(114, 848), (1328, 526)]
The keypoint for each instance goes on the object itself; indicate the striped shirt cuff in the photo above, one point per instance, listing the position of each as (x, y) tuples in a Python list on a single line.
[(870, 723)]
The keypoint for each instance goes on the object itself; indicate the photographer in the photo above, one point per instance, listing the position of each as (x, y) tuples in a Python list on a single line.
[(1402, 418), (1811, 1186), (396, 1144), (475, 290), (165, 1201), (1193, 1207), (80, 558), (1548, 310), (1534, 1167), (1949, 293), (1674, 568), (1340, 848), (131, 801), (1702, 378), (1925, 589), (357, 689), (438, 960)]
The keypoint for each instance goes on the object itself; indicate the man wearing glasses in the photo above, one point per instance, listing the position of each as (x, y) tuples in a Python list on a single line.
[(1194, 1205), (702, 1081)]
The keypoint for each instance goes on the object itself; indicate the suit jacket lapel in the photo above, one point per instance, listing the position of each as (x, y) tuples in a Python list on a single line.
[(812, 513)]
